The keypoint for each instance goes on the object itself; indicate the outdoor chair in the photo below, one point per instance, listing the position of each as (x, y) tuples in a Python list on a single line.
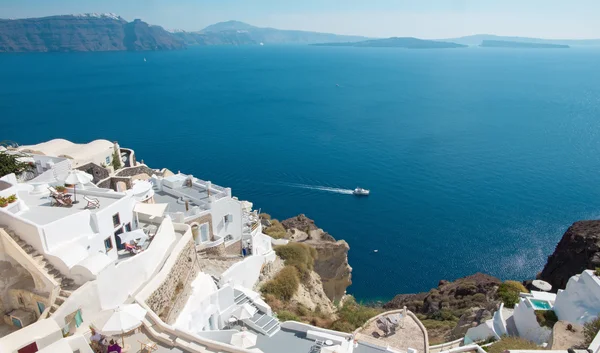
[(92, 202), (63, 202)]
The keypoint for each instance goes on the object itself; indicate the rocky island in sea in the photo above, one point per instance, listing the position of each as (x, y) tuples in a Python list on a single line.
[(406, 42), (510, 44)]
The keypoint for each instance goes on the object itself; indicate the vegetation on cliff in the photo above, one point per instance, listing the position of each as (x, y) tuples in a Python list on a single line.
[(10, 163), (507, 343), (508, 292), (590, 330)]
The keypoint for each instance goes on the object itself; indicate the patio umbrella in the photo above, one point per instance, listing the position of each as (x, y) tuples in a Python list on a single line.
[(332, 349), (74, 177), (244, 312), (134, 235), (119, 321), (243, 339), (542, 285)]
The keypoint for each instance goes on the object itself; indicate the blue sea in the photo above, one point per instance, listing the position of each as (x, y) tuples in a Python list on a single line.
[(477, 159)]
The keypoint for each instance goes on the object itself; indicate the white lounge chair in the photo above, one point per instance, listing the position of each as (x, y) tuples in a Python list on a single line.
[(91, 202)]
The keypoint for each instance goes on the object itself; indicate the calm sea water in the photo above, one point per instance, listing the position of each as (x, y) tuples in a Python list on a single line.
[(478, 159)]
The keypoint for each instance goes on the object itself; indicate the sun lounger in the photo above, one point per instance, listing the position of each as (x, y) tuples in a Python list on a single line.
[(64, 202), (92, 202)]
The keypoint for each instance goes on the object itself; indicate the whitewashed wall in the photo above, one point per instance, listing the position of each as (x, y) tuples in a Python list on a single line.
[(244, 273), (527, 324), (219, 209), (580, 301), (118, 282)]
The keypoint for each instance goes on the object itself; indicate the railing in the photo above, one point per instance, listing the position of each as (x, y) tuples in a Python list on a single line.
[(447, 345)]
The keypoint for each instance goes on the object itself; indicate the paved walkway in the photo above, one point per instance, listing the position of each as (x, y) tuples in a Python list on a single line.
[(410, 336)]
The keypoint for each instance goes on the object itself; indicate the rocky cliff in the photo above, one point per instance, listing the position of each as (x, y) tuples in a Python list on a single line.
[(332, 260), (578, 250), (450, 309), (90, 32)]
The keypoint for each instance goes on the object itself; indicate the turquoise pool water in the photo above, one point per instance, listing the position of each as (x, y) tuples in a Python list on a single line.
[(540, 304)]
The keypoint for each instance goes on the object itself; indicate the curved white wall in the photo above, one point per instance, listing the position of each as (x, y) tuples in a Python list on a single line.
[(580, 301), (527, 324)]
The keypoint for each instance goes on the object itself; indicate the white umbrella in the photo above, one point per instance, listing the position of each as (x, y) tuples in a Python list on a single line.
[(243, 339), (332, 349), (118, 321), (244, 312), (542, 285), (134, 235), (74, 177)]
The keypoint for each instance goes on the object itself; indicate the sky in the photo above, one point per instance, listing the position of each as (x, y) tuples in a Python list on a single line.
[(577, 19)]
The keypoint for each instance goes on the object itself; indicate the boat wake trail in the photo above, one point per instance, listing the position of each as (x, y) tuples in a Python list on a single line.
[(322, 188)]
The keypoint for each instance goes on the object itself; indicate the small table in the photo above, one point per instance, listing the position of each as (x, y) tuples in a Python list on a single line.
[(328, 342)]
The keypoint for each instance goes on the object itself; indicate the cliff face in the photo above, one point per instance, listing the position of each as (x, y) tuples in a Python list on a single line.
[(83, 33), (453, 307), (578, 250), (332, 260)]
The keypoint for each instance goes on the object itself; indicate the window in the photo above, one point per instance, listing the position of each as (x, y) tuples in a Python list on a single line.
[(108, 245), (107, 160), (228, 218), (204, 232), (116, 220), (128, 227), (229, 237)]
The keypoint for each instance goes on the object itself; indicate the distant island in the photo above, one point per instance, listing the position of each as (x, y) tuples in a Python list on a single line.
[(240, 33), (110, 32), (395, 42), (508, 44), (478, 39)]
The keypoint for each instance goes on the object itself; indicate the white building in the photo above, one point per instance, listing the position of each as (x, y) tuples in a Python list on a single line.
[(578, 303)]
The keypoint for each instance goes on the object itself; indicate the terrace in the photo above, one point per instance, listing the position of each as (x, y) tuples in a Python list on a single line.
[(41, 210)]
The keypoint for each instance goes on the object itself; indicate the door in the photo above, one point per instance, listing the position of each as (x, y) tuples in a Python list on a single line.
[(204, 232), (30, 348)]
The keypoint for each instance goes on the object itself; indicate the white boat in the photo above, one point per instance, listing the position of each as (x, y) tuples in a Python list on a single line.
[(144, 59), (361, 192)]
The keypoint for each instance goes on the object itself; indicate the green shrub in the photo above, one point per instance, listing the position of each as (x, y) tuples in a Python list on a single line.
[(298, 255), (342, 326), (546, 318), (590, 330), (511, 343), (276, 230), (302, 310), (352, 316), (479, 297), (597, 271), (284, 285), (509, 292), (116, 160), (285, 315)]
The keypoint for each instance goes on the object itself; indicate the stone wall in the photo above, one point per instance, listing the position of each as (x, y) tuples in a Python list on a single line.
[(215, 251), (27, 300), (96, 171), (204, 219), (234, 249), (142, 169), (169, 299)]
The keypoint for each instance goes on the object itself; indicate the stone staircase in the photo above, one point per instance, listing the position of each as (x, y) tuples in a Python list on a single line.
[(67, 285), (261, 322)]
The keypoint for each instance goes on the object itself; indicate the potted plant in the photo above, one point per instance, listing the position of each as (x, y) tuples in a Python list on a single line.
[(61, 189), (3, 202), (12, 198)]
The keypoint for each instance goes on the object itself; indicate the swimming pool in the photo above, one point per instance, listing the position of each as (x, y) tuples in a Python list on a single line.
[(539, 304)]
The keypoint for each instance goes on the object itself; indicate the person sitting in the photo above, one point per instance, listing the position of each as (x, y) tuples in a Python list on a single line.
[(132, 248), (97, 341), (114, 347)]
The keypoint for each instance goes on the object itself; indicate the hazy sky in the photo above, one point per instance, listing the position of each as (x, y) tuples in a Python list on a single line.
[(377, 18)]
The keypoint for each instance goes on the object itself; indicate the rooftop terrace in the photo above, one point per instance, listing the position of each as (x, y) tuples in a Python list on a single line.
[(42, 212)]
